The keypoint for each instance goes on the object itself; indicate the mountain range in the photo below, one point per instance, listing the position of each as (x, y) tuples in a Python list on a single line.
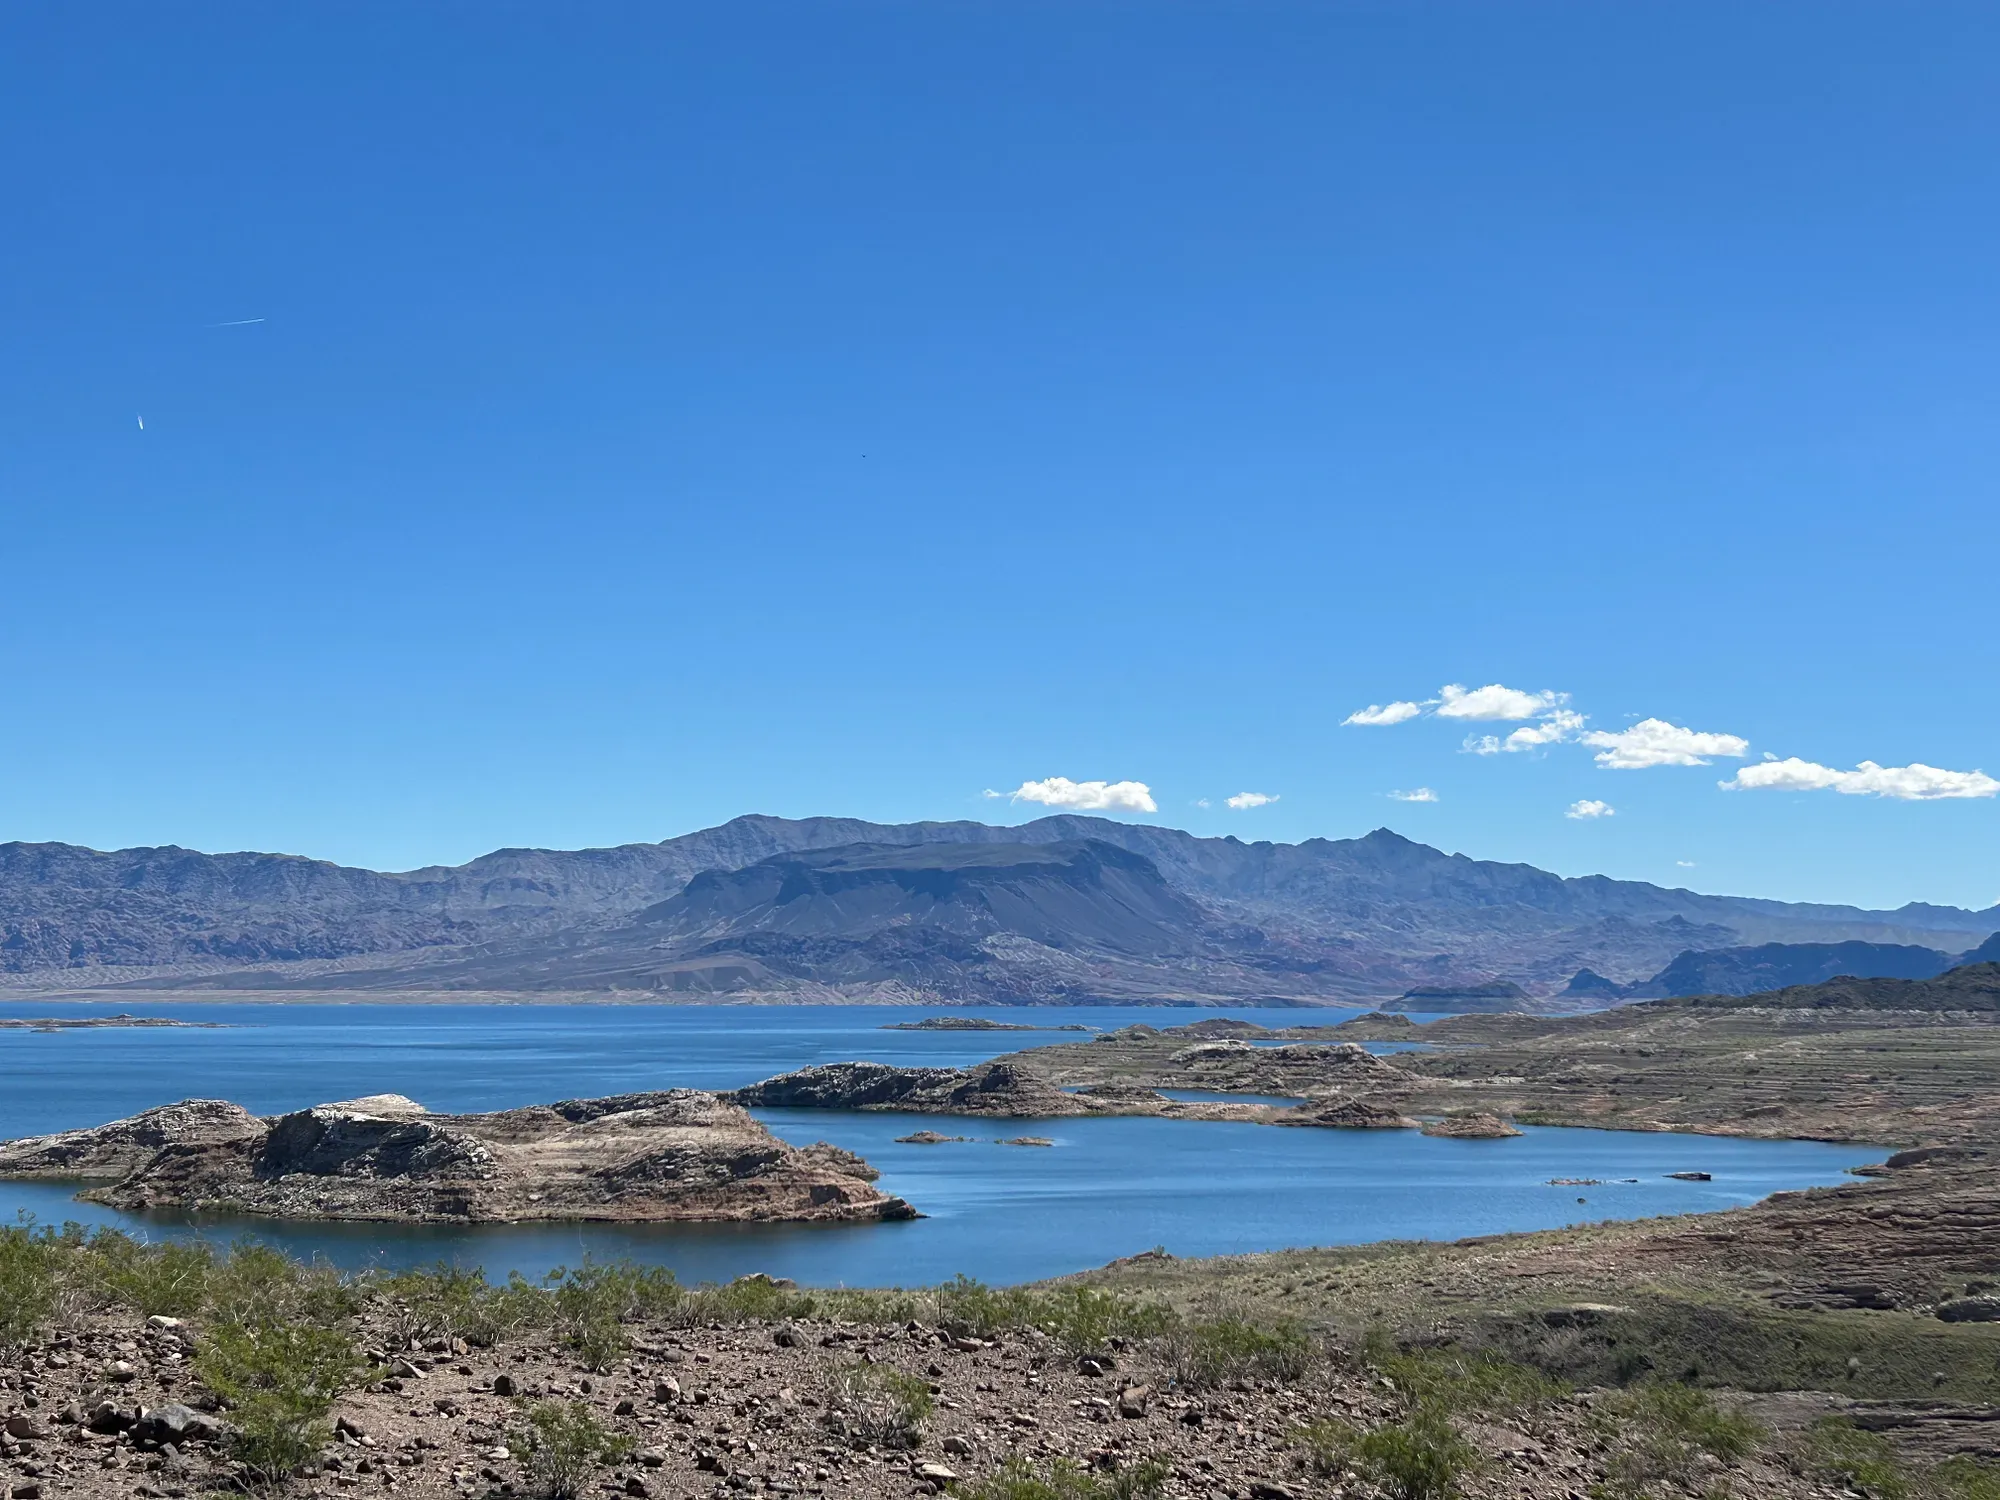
[(1061, 909)]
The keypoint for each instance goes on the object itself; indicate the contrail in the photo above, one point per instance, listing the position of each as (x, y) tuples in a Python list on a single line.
[(142, 424), (238, 322)]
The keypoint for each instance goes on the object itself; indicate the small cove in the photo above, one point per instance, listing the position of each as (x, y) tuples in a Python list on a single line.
[(1109, 1187)]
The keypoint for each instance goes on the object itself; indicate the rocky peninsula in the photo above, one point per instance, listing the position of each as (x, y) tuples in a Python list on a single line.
[(677, 1155), (1341, 1086)]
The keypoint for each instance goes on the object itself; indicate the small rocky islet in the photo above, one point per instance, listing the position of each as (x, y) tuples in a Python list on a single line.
[(678, 1155)]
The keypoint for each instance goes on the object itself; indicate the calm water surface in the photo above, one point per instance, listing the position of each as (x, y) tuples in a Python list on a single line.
[(1108, 1187)]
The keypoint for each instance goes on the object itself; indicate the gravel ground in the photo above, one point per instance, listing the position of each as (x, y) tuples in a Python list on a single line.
[(742, 1410)]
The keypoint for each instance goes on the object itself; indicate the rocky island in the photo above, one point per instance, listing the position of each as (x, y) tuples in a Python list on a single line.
[(677, 1155)]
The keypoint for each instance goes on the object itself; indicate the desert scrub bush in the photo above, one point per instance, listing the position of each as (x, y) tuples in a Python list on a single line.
[(1661, 1433), (1325, 1448), (748, 1299), (1422, 1457), (562, 1443), (31, 1273), (171, 1278), (1870, 1464), (877, 1404), (1082, 1319), (1451, 1381), (1210, 1351), (1064, 1479), (968, 1308), (256, 1284), (279, 1381), (451, 1302), (590, 1304)]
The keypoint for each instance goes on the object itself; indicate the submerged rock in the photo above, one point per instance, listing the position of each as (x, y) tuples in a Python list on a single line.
[(678, 1155)]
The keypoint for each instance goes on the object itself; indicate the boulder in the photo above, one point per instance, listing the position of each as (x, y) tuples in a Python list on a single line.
[(1981, 1309)]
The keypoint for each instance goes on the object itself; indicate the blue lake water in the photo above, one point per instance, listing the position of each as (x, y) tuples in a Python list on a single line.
[(1108, 1187)]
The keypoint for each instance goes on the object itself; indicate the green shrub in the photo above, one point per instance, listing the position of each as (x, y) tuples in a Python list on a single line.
[(1662, 1431), (1219, 1349), (967, 1308), (1017, 1479), (1865, 1461), (255, 1284), (1965, 1478), (279, 1381), (30, 1281), (1451, 1381), (1325, 1448), (1421, 1457), (450, 1302), (748, 1299), (1869, 1463), (171, 1278), (562, 1444), (1082, 1319), (877, 1404)]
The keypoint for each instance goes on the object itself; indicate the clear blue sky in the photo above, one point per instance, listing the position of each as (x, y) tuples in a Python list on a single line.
[(668, 412)]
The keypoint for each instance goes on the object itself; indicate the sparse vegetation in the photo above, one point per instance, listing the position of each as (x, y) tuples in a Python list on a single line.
[(1663, 1433), (562, 1445), (1453, 1381), (1870, 1464), (877, 1404), (1225, 1344), (279, 1382), (1017, 1479), (1422, 1457)]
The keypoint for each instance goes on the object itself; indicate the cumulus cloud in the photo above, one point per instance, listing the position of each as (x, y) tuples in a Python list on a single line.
[(1085, 796), (1685, 864), (1384, 713), (1590, 808), (1493, 701), (1561, 725), (1915, 782), (1421, 794), (1242, 801), (1655, 742)]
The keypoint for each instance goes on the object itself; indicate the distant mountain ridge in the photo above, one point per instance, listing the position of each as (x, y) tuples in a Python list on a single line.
[(1324, 919)]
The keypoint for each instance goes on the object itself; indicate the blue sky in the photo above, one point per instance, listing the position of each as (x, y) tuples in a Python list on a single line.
[(662, 413)]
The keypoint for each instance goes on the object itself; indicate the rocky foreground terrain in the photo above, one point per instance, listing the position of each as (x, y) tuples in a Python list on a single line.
[(682, 1154), (775, 1406)]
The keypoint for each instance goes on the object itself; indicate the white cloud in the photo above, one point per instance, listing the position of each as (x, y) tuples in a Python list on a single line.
[(1421, 794), (1655, 742), (1915, 782), (1561, 725), (1685, 864), (1245, 800), (1085, 796), (1201, 802), (1384, 713), (1495, 702), (1589, 808)]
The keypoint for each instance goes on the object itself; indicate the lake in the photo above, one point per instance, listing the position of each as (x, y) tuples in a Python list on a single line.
[(1108, 1187)]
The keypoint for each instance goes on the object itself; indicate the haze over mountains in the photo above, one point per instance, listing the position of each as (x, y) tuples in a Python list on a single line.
[(1061, 909)]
